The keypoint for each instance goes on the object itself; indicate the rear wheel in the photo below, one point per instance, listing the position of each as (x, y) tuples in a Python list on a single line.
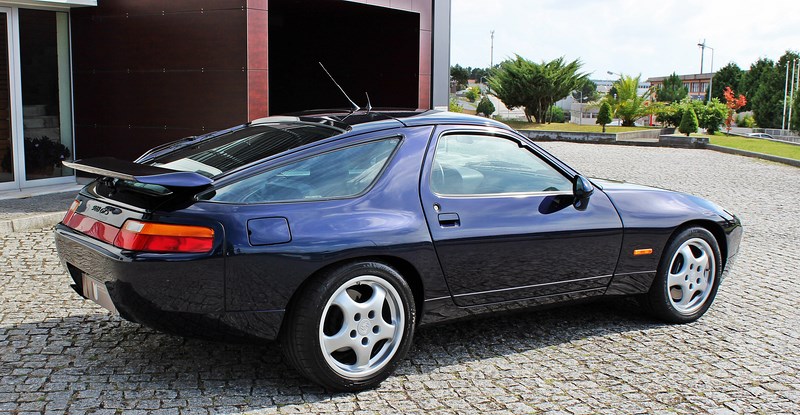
[(688, 277), (349, 327)]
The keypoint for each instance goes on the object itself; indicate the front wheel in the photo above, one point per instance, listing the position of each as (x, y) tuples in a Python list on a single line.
[(688, 277), (349, 327)]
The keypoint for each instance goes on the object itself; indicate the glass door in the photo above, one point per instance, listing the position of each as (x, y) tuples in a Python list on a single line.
[(8, 178), (44, 65)]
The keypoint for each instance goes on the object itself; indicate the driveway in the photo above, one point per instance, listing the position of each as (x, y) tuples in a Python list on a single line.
[(59, 354)]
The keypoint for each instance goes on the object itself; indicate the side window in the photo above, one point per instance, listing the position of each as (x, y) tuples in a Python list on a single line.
[(336, 174), (480, 165)]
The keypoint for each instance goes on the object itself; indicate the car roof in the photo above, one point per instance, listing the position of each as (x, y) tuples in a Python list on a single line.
[(361, 121)]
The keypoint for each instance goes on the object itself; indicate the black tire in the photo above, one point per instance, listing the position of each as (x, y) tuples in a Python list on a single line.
[(317, 315), (666, 296)]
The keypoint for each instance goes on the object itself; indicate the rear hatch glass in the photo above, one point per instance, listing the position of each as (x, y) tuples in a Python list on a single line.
[(218, 155)]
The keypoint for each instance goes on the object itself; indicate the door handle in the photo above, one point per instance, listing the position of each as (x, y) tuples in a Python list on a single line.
[(448, 220)]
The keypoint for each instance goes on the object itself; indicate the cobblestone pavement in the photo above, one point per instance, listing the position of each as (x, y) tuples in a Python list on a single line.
[(59, 354)]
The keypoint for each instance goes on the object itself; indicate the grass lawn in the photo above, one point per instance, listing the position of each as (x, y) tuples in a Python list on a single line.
[(757, 145), (586, 128)]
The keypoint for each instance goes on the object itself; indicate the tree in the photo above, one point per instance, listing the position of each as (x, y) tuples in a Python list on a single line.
[(729, 76), (672, 90), (521, 83), (713, 115), (460, 75), (668, 114), (688, 122), (733, 103), (485, 107), (604, 116), (586, 92), (752, 79), (796, 113), (478, 73), (627, 104)]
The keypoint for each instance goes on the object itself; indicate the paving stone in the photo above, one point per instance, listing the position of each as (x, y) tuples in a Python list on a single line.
[(60, 354)]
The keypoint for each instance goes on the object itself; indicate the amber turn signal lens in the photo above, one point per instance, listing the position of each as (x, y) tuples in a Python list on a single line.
[(638, 252), (160, 237)]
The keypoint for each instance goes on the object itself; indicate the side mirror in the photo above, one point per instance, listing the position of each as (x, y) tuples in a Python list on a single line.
[(582, 189)]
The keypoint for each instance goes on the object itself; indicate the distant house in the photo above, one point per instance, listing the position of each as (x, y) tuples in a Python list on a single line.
[(696, 84)]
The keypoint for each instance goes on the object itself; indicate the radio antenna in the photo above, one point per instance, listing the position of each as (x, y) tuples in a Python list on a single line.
[(369, 104), (354, 106)]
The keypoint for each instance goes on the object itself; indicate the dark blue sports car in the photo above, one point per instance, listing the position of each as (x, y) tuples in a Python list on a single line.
[(340, 233)]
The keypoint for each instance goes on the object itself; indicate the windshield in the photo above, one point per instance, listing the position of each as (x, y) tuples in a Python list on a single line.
[(230, 151)]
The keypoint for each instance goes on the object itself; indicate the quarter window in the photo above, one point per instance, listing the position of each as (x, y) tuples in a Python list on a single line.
[(336, 174), (479, 165)]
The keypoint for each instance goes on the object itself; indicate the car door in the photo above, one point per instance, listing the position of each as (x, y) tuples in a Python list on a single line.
[(504, 222)]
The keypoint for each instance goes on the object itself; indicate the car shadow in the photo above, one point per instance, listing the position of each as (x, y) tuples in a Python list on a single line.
[(124, 363)]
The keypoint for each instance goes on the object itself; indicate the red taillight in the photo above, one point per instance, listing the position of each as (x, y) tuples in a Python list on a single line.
[(159, 237), (71, 212)]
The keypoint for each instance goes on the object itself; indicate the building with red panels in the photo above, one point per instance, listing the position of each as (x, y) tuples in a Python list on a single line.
[(696, 84), (87, 78)]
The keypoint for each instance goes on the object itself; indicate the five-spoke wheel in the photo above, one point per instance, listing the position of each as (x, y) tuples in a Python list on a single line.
[(362, 326), (350, 326), (688, 277)]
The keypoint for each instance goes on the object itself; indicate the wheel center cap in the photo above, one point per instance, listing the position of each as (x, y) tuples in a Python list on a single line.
[(364, 326)]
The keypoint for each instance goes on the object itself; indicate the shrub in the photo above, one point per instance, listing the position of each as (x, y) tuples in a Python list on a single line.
[(454, 106), (689, 122), (472, 94), (557, 114), (714, 114), (486, 107), (668, 115), (604, 116), (745, 120)]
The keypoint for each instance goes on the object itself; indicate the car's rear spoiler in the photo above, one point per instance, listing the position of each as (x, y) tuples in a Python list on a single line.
[(141, 173)]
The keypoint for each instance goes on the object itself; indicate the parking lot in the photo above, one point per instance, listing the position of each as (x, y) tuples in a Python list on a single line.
[(60, 354)]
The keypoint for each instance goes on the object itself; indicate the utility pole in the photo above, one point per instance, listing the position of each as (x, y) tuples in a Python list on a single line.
[(791, 96), (491, 52), (785, 95), (702, 54)]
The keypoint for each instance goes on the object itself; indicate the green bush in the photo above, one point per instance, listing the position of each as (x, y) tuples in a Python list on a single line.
[(454, 106), (486, 107), (557, 114), (604, 116), (689, 122), (714, 114), (669, 114), (745, 120), (472, 94)]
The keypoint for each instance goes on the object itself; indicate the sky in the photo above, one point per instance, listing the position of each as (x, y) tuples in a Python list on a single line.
[(647, 37)]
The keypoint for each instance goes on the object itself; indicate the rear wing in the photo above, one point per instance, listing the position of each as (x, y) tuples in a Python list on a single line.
[(141, 173)]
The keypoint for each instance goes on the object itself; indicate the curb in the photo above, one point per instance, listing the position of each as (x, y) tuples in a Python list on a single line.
[(736, 151), (30, 222), (663, 143)]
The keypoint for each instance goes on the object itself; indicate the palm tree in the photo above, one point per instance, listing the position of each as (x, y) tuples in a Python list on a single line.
[(627, 104)]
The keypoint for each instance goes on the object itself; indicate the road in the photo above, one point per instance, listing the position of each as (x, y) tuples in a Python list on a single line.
[(59, 354)]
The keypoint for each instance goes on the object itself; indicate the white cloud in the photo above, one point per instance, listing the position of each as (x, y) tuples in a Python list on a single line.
[(653, 38)]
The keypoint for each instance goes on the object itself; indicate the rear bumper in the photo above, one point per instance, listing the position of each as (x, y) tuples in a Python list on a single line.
[(181, 294)]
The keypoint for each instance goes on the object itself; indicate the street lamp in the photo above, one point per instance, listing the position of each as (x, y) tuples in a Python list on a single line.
[(612, 85), (711, 80)]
